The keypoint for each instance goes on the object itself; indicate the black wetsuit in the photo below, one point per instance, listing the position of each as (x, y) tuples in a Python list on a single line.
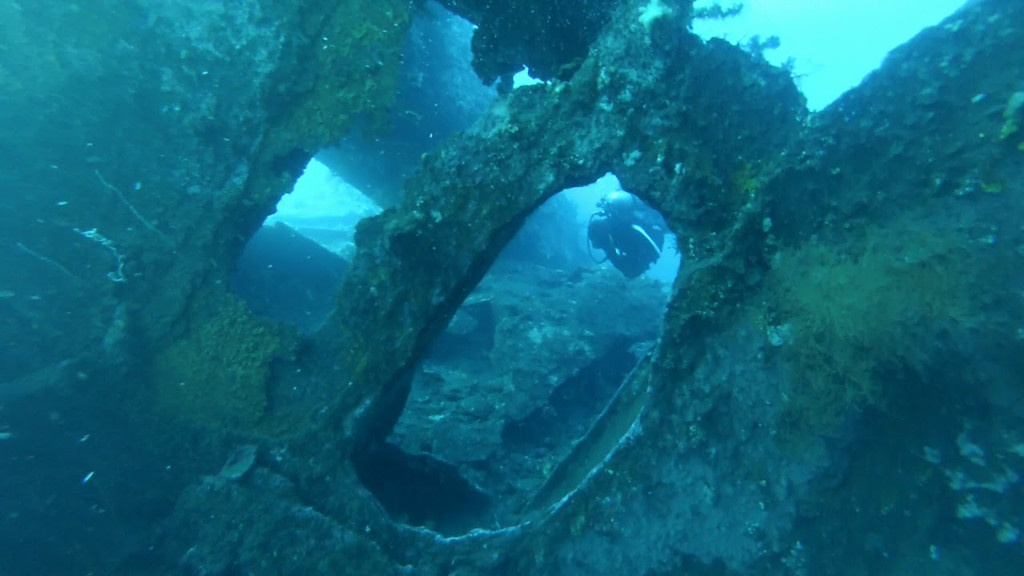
[(631, 245)]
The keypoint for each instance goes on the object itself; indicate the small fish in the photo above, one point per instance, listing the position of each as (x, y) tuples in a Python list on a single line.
[(87, 478)]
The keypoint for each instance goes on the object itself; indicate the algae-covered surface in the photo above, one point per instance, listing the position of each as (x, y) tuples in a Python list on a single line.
[(830, 384)]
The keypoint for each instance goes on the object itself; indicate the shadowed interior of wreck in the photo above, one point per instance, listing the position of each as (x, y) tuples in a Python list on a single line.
[(524, 368)]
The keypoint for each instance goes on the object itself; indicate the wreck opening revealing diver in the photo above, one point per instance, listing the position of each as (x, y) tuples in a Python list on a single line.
[(631, 233)]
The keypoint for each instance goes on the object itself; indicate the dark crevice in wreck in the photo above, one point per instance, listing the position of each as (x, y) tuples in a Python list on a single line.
[(520, 374), (420, 490)]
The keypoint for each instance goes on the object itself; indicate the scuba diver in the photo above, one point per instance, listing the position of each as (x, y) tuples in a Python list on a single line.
[(630, 233)]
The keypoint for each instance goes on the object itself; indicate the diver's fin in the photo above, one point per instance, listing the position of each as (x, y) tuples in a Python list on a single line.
[(644, 234)]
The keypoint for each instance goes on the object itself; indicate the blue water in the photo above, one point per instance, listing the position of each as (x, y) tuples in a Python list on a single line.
[(820, 374)]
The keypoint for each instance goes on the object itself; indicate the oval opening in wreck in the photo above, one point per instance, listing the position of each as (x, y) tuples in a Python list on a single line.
[(527, 365)]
